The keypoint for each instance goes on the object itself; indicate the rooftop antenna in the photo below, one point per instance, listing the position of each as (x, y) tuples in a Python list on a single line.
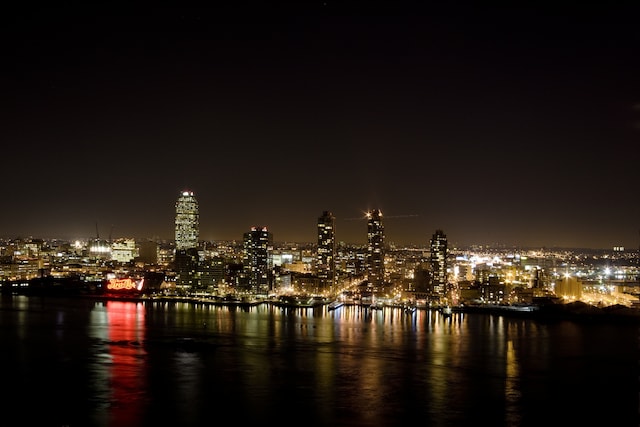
[(97, 233)]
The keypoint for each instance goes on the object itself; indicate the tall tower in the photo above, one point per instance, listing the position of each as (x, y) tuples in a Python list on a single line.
[(326, 256), (257, 261), (438, 260), (187, 259), (375, 248), (187, 221)]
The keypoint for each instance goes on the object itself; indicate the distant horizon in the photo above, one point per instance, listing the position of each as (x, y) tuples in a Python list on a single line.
[(353, 228), (277, 242)]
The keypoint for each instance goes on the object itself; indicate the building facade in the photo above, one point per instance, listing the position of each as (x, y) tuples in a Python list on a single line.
[(326, 251), (257, 262), (375, 249), (187, 224), (187, 231), (438, 262)]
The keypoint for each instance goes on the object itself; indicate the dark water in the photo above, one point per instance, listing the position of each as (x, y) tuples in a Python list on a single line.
[(79, 362)]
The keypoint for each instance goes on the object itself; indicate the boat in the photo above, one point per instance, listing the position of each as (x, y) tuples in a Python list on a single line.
[(446, 310), (335, 304)]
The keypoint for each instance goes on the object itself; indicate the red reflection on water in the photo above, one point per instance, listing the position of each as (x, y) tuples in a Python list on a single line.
[(127, 374)]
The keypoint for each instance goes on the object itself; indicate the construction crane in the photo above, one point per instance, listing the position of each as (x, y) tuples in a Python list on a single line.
[(366, 216)]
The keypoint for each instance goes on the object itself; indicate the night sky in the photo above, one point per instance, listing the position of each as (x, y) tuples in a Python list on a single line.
[(511, 126)]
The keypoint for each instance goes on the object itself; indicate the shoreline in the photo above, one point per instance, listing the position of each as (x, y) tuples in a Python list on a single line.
[(576, 311)]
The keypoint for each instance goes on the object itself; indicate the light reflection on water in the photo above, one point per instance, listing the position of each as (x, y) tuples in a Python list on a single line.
[(121, 363)]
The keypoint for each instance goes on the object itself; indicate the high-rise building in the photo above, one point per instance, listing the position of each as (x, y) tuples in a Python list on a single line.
[(375, 248), (438, 261), (257, 262), (326, 252), (187, 221), (187, 258), (187, 267)]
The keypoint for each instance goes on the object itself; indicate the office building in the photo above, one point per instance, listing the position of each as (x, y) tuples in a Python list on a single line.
[(187, 221), (187, 232)]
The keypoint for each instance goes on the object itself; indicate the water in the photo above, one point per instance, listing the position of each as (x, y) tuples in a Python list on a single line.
[(81, 362)]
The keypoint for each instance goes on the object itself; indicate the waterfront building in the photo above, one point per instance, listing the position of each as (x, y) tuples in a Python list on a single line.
[(375, 249), (438, 262), (257, 262), (211, 274), (123, 250), (326, 251), (187, 267)]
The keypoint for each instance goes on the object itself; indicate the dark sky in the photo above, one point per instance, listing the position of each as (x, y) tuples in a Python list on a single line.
[(515, 126)]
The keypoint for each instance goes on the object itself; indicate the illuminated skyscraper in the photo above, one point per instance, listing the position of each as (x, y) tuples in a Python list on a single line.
[(257, 261), (375, 248), (326, 256), (187, 231), (187, 221), (438, 260)]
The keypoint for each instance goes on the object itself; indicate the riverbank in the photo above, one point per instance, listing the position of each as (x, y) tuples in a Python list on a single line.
[(577, 311)]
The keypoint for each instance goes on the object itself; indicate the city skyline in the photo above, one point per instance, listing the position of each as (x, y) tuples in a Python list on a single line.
[(499, 126)]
